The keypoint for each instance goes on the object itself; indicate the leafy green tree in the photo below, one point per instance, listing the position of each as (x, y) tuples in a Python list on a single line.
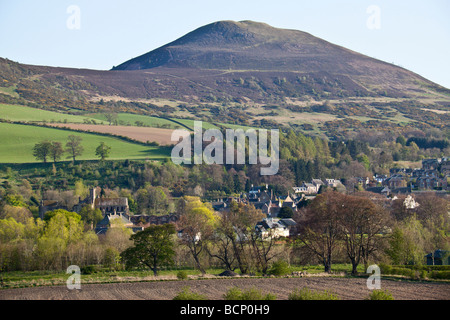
[(408, 242), (63, 224), (102, 151), (152, 248), (197, 220), (152, 200), (74, 147), (286, 212), (364, 159), (401, 139), (91, 216), (62, 229), (42, 150), (56, 150), (81, 190)]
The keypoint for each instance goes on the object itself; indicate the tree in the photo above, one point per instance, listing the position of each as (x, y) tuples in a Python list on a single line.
[(319, 231), (111, 117), (285, 213), (102, 151), (62, 228), (81, 190), (408, 242), (56, 151), (152, 248), (152, 200), (362, 223), (74, 147), (197, 222), (91, 216), (238, 226), (42, 150), (433, 213)]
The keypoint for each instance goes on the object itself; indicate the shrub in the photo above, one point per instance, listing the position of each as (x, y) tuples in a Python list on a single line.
[(89, 269), (187, 294), (385, 268), (423, 274), (182, 275), (250, 294), (308, 294), (380, 295), (280, 268), (439, 275)]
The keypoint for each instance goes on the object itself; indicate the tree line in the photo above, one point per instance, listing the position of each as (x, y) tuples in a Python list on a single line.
[(334, 227), (73, 148)]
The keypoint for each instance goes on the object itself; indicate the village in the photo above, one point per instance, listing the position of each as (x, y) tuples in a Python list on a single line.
[(278, 209)]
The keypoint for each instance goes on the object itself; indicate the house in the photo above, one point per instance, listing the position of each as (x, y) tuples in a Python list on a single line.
[(445, 166), (288, 202), (49, 205), (301, 189), (379, 178), (332, 183), (380, 190), (395, 181), (310, 188), (145, 221), (106, 205), (317, 183), (431, 182), (430, 164), (410, 202), (438, 258), (275, 228), (115, 220), (181, 234), (112, 205)]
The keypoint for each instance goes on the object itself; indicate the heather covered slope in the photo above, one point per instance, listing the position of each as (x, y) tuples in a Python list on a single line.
[(252, 46), (245, 73)]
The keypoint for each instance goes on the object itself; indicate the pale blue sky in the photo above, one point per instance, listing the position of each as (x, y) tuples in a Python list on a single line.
[(413, 34)]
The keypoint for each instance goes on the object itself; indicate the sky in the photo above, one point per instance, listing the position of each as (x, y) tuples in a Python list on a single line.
[(99, 34)]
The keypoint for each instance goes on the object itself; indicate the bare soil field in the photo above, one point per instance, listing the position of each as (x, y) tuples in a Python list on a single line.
[(213, 289), (143, 134)]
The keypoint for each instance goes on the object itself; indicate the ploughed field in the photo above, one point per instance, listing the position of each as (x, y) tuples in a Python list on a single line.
[(214, 289), (143, 134)]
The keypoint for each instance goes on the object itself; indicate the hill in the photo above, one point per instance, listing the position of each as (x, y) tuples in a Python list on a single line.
[(245, 73)]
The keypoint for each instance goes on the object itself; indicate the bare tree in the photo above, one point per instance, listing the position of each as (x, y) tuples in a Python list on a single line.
[(319, 229), (74, 147), (238, 225), (362, 223)]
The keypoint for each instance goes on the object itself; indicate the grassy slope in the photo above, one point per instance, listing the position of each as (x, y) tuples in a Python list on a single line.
[(17, 142), (22, 113), (130, 119), (27, 114)]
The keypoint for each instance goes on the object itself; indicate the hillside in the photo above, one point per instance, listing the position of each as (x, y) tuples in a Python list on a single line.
[(245, 73), (26, 136)]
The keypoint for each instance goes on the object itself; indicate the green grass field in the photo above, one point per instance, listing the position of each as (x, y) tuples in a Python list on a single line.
[(17, 142), (130, 119), (27, 114)]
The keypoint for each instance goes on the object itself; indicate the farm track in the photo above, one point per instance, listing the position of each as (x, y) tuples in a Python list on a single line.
[(213, 289)]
